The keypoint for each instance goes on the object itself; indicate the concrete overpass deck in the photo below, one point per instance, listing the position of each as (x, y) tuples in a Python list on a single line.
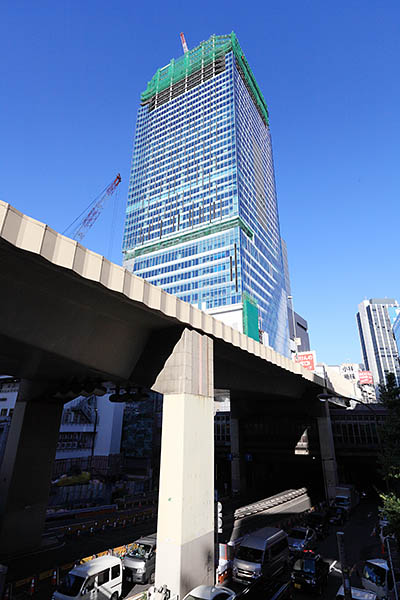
[(69, 315)]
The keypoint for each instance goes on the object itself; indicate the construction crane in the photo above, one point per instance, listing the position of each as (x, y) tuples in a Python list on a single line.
[(184, 44), (79, 228)]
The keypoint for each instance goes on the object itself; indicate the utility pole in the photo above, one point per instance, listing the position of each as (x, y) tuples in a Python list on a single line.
[(390, 561), (345, 568)]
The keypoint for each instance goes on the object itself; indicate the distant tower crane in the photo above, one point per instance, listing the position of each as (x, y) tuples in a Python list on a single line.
[(79, 228), (184, 44)]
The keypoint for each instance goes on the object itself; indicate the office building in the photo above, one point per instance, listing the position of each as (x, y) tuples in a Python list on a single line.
[(89, 437), (202, 218), (396, 332), (375, 318), (298, 327)]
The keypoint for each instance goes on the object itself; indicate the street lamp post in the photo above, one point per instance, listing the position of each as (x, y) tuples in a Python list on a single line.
[(294, 326)]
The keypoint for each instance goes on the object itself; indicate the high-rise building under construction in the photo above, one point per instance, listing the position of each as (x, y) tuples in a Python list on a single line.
[(202, 218)]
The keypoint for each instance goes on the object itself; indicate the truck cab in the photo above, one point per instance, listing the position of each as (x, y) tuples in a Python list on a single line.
[(377, 577)]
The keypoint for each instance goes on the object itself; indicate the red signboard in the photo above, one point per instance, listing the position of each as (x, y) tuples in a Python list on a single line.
[(307, 360), (365, 377)]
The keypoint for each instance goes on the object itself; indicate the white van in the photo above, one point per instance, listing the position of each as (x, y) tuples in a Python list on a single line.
[(97, 579), (264, 552)]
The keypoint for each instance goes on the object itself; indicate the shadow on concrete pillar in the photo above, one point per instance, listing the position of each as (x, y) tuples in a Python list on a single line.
[(327, 448), (238, 477), (185, 528), (236, 470), (25, 473)]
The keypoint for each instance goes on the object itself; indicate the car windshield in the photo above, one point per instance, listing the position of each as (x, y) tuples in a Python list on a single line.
[(298, 534), (375, 574), (140, 551), (71, 585), (251, 554), (307, 565)]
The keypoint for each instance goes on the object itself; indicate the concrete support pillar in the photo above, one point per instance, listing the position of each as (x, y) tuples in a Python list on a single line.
[(25, 474), (185, 528), (327, 448)]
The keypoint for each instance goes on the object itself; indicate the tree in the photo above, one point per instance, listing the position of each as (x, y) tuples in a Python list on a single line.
[(391, 511), (389, 457)]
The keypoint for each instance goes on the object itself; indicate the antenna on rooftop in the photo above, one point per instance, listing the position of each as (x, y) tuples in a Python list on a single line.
[(184, 44)]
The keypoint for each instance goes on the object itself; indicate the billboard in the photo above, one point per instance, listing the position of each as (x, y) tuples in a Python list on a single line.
[(307, 360), (365, 377)]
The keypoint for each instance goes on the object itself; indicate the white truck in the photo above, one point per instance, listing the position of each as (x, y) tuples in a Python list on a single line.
[(347, 497)]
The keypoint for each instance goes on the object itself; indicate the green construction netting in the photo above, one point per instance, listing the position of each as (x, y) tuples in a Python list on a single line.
[(250, 317), (215, 47)]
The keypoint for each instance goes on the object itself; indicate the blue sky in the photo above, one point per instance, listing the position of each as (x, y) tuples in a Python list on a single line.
[(71, 76)]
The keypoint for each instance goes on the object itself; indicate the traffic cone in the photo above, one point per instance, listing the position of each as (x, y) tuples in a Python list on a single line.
[(33, 586), (54, 579), (7, 592)]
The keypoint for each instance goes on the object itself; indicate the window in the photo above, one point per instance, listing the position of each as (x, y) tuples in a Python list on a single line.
[(103, 577), (3, 412), (90, 584), (115, 571)]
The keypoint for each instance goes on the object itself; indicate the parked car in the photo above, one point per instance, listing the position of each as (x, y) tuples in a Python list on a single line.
[(260, 589), (301, 538), (310, 572), (210, 592)]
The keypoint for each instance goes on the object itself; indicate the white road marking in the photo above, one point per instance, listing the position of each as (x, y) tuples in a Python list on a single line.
[(332, 567)]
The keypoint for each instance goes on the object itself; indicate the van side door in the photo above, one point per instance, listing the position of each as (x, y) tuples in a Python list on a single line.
[(103, 585), (90, 588)]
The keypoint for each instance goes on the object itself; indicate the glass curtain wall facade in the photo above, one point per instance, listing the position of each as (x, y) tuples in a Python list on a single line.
[(202, 218), (378, 345)]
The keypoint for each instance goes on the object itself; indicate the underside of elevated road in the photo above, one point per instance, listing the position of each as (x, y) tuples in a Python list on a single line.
[(68, 316)]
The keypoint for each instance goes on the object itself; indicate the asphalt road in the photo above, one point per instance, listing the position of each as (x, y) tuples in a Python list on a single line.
[(359, 543)]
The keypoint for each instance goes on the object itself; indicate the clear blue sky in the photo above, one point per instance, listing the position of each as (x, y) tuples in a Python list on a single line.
[(71, 76)]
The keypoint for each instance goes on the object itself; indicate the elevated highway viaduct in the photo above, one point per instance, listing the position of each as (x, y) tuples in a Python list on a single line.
[(69, 316)]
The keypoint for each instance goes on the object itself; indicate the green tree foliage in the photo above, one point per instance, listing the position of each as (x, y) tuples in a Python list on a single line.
[(390, 453), (390, 433), (391, 511)]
